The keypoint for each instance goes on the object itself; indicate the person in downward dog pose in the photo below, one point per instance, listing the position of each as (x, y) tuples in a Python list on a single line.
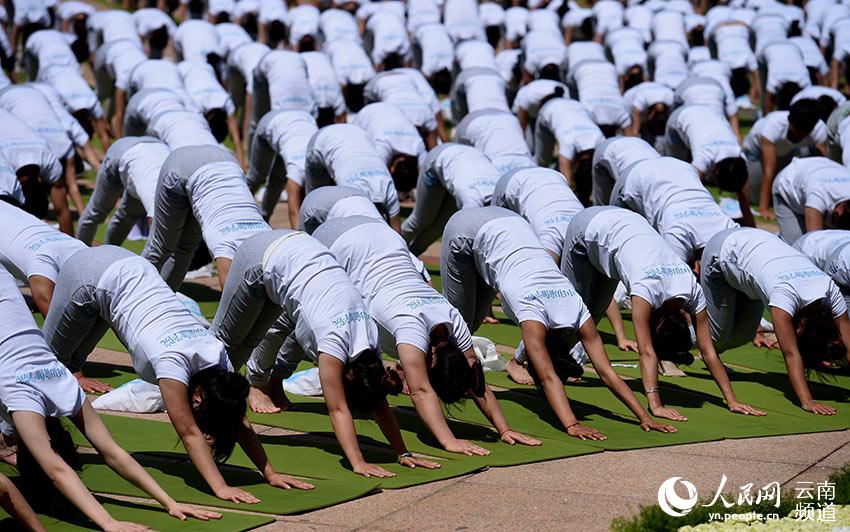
[(490, 249), (288, 299)]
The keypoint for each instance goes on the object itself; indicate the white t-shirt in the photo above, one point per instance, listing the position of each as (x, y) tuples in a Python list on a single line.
[(30, 247), (571, 125), (784, 65), (669, 194), (245, 59), (529, 96), (543, 198), (350, 158), (733, 47), (437, 51), (466, 174), (290, 133), (120, 58), (421, 13), (157, 74), (139, 167), (9, 184), (31, 106), (774, 128), (819, 246), (813, 182), (195, 39), (618, 155), (462, 20), (581, 51), (707, 91), (288, 81), (509, 257), (599, 89), (231, 36), (51, 48), (338, 25), (622, 245), (469, 54), (149, 19), (224, 207), (31, 12), (484, 89), (389, 36), (626, 47), (402, 89), (707, 134), (21, 146), (816, 91), (164, 340), (326, 89), (499, 136), (76, 92), (392, 132), (181, 128), (765, 268), (812, 56), (203, 87), (32, 380), (303, 20), (317, 296), (350, 62), (646, 94), (542, 48), (377, 260)]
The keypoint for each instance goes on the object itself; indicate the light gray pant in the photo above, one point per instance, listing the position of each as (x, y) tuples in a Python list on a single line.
[(434, 206), (75, 322), (267, 168), (732, 316), (603, 177), (253, 328), (100, 205), (791, 225), (595, 288), (176, 233), (318, 203), (544, 144), (464, 288)]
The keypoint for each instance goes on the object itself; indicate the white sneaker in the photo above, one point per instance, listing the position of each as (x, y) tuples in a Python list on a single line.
[(203, 271)]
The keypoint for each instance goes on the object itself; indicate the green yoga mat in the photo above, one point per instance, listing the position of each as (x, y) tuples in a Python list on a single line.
[(152, 516), (157, 447)]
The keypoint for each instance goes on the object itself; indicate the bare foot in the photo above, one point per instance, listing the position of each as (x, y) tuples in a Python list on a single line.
[(491, 320), (669, 369), (765, 340), (268, 399), (518, 374)]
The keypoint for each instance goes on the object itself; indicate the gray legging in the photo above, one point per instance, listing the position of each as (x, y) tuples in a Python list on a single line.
[(318, 203), (434, 206), (176, 233), (463, 286), (75, 323), (252, 327), (107, 189), (733, 317), (603, 178), (791, 225), (594, 287), (267, 167)]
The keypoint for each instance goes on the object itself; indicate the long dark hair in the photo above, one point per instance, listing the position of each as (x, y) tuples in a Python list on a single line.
[(818, 340), (450, 374), (671, 335), (224, 399), (366, 382), (558, 345)]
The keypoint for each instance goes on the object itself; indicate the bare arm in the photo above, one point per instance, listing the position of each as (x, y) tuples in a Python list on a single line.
[(250, 443), (814, 219), (118, 118), (616, 319), (42, 292), (33, 432), (427, 403), (534, 336), (641, 310), (783, 326), (715, 367), (294, 197), (768, 158), (59, 197), (634, 128), (13, 502), (233, 131), (175, 397), (331, 375)]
